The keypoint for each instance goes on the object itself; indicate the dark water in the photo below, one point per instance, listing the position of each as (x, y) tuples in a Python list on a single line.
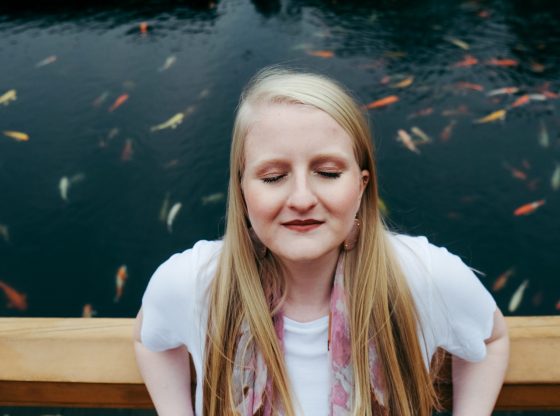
[(461, 190)]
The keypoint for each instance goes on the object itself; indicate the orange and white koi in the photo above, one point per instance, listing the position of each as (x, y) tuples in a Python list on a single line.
[(321, 54), (502, 279), (127, 150), (524, 99), (517, 296), (118, 102), (47, 61), (8, 96), (16, 300), (502, 91), (382, 102), (120, 279), (469, 60), (407, 141), (469, 86), (496, 115), (502, 62), (16, 135), (529, 208), (445, 134)]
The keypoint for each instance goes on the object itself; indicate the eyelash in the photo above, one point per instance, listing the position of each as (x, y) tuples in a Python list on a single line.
[(326, 174)]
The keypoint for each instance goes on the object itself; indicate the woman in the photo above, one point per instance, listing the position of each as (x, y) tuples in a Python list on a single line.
[(309, 305)]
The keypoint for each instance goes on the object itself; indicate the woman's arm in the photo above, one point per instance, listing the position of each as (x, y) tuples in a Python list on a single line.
[(476, 385), (167, 376)]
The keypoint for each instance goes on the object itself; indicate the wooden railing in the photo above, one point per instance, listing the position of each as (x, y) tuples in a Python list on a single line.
[(90, 363)]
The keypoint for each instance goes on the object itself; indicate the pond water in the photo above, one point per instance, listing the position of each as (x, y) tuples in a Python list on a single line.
[(89, 176)]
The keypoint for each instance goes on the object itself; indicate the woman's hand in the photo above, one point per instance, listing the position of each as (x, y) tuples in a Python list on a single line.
[(167, 376), (476, 385)]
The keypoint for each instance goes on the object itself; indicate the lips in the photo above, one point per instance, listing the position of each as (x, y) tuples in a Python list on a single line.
[(303, 225), (303, 222)]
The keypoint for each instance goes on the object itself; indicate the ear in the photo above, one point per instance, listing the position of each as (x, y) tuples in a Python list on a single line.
[(364, 181)]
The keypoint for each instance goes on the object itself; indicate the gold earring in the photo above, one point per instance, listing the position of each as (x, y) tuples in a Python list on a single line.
[(352, 238)]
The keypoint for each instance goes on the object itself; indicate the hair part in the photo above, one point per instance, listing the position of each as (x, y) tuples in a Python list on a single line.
[(381, 307)]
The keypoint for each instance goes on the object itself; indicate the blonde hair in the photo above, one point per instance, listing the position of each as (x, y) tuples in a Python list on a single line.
[(381, 306)]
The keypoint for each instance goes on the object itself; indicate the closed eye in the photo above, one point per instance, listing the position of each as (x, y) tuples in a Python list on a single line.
[(272, 179), (332, 175)]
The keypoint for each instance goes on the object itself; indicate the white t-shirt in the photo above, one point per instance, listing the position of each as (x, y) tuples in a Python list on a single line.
[(456, 313)]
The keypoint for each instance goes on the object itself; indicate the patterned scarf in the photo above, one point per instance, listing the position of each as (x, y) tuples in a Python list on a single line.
[(253, 387)]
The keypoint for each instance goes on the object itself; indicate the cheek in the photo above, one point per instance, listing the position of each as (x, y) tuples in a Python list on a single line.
[(261, 205)]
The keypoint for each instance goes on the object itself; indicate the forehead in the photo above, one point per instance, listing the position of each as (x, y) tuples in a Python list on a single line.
[(294, 131)]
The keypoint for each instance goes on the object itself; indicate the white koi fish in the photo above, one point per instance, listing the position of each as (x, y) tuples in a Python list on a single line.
[(405, 138), (4, 232), (212, 198), (172, 123), (8, 96), (63, 186), (517, 296), (164, 210), (423, 136), (555, 179), (172, 214), (47, 61), (168, 63), (544, 139)]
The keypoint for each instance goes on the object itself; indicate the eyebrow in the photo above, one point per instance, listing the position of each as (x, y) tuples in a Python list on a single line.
[(338, 160)]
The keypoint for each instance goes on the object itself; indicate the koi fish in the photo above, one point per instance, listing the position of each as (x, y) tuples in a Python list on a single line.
[(502, 91), (47, 61), (423, 136), (172, 123), (16, 135), (537, 67), (8, 96), (496, 115), (544, 139), (127, 151), (100, 99), (212, 198), (143, 26), (469, 60), (383, 102), (550, 94), (164, 210), (407, 141), (172, 214), (459, 43), (407, 82), (517, 296), (461, 110), (422, 113), (16, 300), (524, 99), (118, 102), (516, 173), (558, 305), (63, 186), (204, 93), (169, 61), (528, 208), (502, 62), (447, 131), (87, 311), (555, 179), (120, 279), (470, 86), (321, 54), (4, 232), (502, 279)]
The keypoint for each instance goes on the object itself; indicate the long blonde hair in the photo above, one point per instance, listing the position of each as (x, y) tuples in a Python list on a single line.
[(381, 306)]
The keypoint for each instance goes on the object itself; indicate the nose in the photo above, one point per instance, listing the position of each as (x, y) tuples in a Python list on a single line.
[(302, 196)]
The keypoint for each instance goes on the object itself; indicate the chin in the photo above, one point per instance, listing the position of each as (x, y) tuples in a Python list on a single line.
[(302, 254)]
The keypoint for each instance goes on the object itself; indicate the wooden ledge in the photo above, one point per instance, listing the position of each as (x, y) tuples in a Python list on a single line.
[(91, 363)]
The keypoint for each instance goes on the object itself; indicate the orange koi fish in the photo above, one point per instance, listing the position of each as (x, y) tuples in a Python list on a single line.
[(16, 300), (407, 82), (120, 279), (502, 279), (385, 80), (127, 151), (524, 99), (422, 113), (469, 86), (528, 208), (447, 131), (469, 60), (321, 54), (383, 102), (550, 94), (16, 135), (118, 102), (558, 305), (516, 173), (503, 62), (143, 27)]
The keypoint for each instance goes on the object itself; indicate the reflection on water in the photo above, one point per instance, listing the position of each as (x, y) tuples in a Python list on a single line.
[(116, 136)]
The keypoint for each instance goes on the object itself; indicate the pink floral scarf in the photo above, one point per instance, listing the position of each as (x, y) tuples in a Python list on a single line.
[(253, 387)]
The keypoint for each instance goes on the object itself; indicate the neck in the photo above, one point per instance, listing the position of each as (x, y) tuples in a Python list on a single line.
[(308, 287)]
